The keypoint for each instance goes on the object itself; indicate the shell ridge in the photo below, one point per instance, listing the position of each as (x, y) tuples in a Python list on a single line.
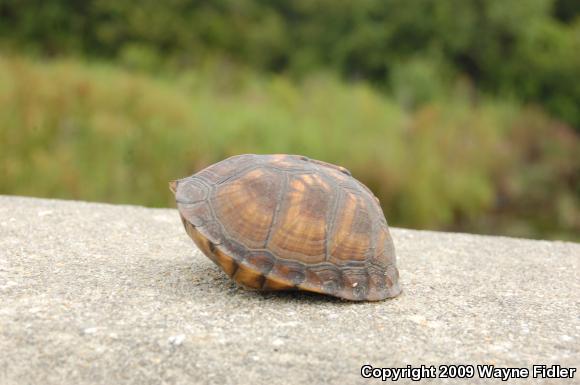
[(238, 174), (331, 223), (190, 203), (372, 251), (200, 179), (369, 252), (324, 264), (283, 190), (341, 169), (289, 170)]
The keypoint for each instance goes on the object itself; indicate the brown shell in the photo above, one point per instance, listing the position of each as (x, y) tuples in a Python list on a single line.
[(277, 222)]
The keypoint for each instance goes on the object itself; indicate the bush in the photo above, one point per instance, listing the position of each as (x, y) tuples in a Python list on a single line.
[(527, 48), (90, 131)]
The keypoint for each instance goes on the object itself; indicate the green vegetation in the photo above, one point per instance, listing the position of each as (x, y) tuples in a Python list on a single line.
[(77, 129), (460, 114), (526, 49)]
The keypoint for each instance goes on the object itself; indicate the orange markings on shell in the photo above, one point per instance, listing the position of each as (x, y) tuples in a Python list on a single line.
[(352, 234), (245, 206), (300, 231)]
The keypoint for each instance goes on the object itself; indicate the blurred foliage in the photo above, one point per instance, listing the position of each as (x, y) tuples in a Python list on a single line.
[(524, 49), (437, 157)]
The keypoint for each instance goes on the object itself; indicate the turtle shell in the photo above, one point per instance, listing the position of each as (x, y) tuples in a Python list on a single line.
[(280, 222)]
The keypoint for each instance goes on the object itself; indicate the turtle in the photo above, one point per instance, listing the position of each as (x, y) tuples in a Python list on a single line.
[(289, 222)]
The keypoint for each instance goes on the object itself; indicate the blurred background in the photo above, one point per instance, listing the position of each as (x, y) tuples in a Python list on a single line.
[(461, 115)]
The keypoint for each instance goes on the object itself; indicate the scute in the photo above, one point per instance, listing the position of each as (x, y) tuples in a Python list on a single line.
[(351, 239), (279, 222), (246, 205), (300, 231)]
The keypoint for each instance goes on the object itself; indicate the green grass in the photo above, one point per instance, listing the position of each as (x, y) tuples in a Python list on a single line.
[(71, 129)]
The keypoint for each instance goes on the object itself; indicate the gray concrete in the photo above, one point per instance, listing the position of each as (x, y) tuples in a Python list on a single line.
[(105, 294)]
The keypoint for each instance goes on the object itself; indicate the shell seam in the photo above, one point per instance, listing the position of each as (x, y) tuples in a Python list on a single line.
[(283, 189)]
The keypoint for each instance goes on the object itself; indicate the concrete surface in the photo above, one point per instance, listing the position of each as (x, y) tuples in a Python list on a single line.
[(104, 294)]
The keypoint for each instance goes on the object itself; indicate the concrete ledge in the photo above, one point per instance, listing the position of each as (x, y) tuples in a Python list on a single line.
[(105, 294)]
